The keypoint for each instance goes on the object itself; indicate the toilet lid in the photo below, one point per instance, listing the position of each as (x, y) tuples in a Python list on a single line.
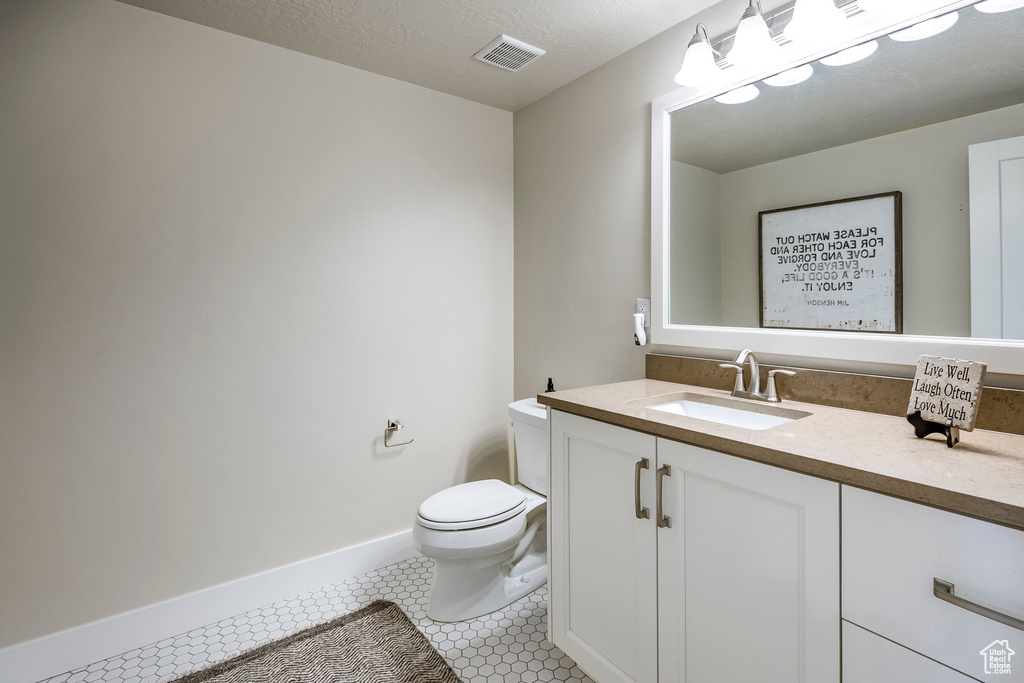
[(476, 504)]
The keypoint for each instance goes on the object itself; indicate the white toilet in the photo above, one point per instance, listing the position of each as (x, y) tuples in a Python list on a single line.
[(488, 540)]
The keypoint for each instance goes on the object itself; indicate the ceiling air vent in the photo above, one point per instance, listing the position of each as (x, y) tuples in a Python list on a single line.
[(508, 53)]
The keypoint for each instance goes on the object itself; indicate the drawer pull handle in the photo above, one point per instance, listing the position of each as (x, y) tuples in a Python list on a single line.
[(663, 521), (641, 512), (943, 590)]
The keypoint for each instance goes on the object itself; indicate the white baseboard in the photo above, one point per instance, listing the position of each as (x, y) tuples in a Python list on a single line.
[(56, 653)]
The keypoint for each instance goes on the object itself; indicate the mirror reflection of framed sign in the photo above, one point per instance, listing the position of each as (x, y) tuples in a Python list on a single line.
[(835, 265)]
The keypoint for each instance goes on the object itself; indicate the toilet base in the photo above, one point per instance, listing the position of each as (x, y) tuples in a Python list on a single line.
[(464, 590)]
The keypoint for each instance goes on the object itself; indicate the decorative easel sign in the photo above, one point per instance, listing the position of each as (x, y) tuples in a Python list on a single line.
[(946, 393), (834, 265)]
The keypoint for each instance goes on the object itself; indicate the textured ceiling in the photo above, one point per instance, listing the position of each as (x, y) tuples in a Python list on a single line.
[(975, 66), (432, 42)]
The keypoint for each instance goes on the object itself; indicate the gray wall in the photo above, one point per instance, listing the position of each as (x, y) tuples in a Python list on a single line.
[(223, 266)]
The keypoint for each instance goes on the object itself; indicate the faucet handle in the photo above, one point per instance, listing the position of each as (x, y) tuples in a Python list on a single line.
[(738, 384), (773, 393)]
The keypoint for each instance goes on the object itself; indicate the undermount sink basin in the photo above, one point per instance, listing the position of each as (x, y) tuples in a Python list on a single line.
[(734, 413)]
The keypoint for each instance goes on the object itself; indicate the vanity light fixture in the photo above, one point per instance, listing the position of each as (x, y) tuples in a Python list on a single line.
[(815, 21), (753, 42), (926, 29), (791, 77), (851, 54), (993, 6), (739, 95), (699, 67)]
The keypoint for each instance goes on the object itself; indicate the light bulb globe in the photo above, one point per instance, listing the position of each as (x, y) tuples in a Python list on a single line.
[(699, 67), (926, 29), (815, 22), (739, 95), (994, 6), (791, 76), (753, 43), (851, 54)]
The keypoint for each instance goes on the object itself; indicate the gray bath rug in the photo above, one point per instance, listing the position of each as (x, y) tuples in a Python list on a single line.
[(376, 644)]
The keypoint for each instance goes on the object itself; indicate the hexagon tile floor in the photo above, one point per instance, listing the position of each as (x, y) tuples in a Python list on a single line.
[(507, 646)]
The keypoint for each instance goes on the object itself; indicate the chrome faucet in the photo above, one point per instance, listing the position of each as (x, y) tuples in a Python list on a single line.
[(754, 392)]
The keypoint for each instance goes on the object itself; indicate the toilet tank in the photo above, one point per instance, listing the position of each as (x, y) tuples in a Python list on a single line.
[(530, 425)]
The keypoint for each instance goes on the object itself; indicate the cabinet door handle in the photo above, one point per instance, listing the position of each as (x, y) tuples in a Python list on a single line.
[(641, 512), (943, 590), (663, 521)]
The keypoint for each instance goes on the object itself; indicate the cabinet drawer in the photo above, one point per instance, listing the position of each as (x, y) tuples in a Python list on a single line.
[(892, 552), (868, 658)]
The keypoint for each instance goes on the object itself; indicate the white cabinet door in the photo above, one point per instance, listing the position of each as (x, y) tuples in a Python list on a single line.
[(602, 576), (868, 658), (748, 572)]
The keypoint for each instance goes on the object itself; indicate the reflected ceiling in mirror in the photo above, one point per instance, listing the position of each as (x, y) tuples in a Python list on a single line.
[(975, 66)]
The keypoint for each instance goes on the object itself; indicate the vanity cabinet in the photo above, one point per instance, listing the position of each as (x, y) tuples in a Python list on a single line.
[(893, 552), (671, 562)]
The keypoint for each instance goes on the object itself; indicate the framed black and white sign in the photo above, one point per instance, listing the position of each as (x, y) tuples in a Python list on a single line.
[(833, 266)]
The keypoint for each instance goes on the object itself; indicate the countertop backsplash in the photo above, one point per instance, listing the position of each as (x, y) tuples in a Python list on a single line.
[(1001, 410)]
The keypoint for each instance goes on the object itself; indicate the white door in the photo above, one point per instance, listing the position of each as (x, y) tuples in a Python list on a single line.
[(748, 571), (997, 238), (602, 578)]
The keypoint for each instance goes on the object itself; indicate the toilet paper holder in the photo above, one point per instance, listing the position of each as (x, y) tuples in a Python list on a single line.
[(391, 431)]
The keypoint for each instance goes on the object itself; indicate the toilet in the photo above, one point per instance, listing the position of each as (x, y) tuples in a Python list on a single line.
[(488, 540)]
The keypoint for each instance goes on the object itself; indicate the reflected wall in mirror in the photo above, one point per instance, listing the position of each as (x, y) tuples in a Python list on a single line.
[(904, 119)]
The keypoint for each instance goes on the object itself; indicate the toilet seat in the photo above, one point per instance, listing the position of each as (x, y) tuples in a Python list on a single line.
[(471, 506)]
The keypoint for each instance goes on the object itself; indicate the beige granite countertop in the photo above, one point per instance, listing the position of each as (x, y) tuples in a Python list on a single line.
[(982, 476)]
